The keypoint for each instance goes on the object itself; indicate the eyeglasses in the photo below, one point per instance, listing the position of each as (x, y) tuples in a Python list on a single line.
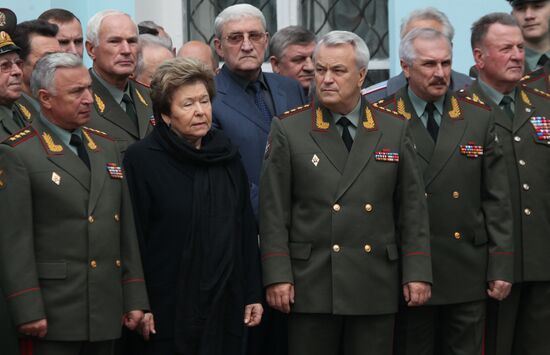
[(7, 66), (238, 37)]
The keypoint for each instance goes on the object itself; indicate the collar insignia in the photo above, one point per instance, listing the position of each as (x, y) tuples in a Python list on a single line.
[(369, 123), (91, 143), (25, 111), (52, 146), (401, 109), (100, 103), (525, 98), (455, 109), (141, 98), (319, 121)]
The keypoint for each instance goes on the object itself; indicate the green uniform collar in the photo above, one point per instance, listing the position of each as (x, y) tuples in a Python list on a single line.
[(419, 107), (63, 134)]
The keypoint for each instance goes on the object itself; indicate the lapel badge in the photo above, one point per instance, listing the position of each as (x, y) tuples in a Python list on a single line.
[(115, 171), (471, 150), (56, 178), (152, 121), (100, 104), (386, 155), (141, 98), (315, 159), (542, 127)]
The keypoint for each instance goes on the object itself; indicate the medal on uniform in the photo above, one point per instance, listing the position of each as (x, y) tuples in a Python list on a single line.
[(386, 155), (471, 150), (115, 171), (315, 159), (56, 178), (152, 121), (542, 127)]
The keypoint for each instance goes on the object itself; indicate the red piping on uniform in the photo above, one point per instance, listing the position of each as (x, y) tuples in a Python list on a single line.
[(19, 293)]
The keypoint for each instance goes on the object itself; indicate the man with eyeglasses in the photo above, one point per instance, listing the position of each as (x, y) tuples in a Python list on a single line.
[(10, 91), (245, 102)]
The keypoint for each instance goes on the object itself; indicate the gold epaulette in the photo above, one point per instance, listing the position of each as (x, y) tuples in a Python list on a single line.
[(380, 107), (532, 76), (20, 136), (385, 102), (535, 91), (473, 99), (97, 132), (293, 111)]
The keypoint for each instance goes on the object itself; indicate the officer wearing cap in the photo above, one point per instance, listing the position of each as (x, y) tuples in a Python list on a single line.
[(10, 90)]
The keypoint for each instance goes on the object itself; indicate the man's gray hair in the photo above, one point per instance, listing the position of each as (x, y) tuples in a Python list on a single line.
[(167, 40), (338, 38), (288, 36), (429, 13), (481, 26), (237, 12), (407, 52), (44, 70), (148, 40), (94, 24)]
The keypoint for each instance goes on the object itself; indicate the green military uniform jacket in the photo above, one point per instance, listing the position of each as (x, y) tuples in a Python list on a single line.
[(109, 117), (8, 125), (468, 197), (26, 110), (347, 229), (526, 146), (68, 246), (538, 79)]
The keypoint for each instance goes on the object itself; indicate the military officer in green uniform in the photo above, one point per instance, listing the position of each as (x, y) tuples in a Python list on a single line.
[(10, 90), (122, 107), (519, 324), (343, 217), (69, 260), (468, 199)]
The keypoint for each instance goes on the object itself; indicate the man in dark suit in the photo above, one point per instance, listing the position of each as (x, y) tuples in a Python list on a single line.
[(468, 199), (519, 324), (122, 107), (36, 38), (69, 258), (343, 217), (246, 98), (422, 18)]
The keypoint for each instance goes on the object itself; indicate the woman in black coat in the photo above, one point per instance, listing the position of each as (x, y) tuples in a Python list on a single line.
[(195, 225)]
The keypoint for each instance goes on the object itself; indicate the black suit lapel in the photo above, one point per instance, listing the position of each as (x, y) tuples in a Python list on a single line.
[(451, 131)]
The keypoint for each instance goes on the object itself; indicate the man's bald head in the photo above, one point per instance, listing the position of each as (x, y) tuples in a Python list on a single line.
[(200, 51)]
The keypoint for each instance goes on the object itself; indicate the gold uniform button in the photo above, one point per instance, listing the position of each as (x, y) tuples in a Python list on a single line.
[(522, 162), (527, 211), (93, 264), (368, 248), (526, 187), (118, 263), (517, 138), (336, 207), (91, 219), (368, 207), (456, 194), (426, 194), (117, 218), (336, 248), (457, 235)]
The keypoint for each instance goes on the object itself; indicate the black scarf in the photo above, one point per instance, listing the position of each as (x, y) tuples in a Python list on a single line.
[(207, 262)]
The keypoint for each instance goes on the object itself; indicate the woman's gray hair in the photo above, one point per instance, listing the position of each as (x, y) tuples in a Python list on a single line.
[(94, 24), (44, 70), (236, 12), (407, 52), (338, 38), (429, 13), (173, 74)]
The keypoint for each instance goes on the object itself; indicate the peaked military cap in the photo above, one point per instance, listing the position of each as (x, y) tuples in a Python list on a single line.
[(8, 21), (521, 2)]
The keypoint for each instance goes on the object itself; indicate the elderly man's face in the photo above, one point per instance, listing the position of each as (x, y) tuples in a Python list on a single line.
[(70, 104), (152, 56), (430, 73), (116, 54), (533, 19), (40, 46), (243, 45), (70, 37), (337, 79), (10, 78), (501, 58), (296, 63)]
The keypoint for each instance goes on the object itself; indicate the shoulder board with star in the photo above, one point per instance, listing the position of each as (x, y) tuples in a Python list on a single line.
[(535, 91), (20, 136), (533, 76), (382, 108), (294, 111), (97, 133), (472, 98)]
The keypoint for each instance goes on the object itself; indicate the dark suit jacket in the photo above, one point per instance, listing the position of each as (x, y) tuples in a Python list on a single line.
[(68, 247), (235, 113), (109, 117), (382, 90), (528, 164), (468, 198), (345, 229)]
